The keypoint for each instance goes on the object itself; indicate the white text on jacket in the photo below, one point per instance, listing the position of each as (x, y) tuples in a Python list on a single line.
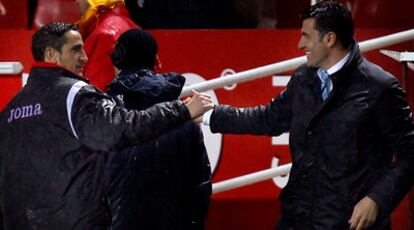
[(25, 111)]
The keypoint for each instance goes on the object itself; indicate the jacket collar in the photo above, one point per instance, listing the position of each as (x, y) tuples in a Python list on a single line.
[(342, 75), (63, 71), (339, 78), (142, 88)]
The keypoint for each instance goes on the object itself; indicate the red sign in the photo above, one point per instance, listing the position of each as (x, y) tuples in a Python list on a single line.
[(207, 54)]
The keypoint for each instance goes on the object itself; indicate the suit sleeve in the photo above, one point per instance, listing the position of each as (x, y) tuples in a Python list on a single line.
[(272, 119), (396, 125)]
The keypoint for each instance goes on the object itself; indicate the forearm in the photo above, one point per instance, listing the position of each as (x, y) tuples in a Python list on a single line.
[(106, 125), (259, 120)]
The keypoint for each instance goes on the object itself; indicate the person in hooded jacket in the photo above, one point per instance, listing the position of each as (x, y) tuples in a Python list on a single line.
[(165, 184)]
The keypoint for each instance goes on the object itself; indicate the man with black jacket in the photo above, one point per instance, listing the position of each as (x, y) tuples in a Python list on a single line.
[(351, 131), (54, 132), (165, 184)]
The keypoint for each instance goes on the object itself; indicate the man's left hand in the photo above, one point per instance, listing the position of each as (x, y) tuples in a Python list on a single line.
[(364, 214)]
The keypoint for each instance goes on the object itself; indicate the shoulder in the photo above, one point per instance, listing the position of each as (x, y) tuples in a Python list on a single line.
[(302, 74), (109, 29), (174, 78), (171, 74), (79, 89), (303, 71), (114, 25), (376, 76), (70, 79)]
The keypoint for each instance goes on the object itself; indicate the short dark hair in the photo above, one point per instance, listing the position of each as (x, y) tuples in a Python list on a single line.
[(50, 35), (332, 16)]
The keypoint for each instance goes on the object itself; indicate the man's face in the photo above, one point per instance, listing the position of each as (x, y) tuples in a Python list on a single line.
[(72, 57), (83, 5), (314, 45)]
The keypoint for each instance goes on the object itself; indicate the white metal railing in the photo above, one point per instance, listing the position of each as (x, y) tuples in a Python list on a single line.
[(410, 65), (291, 64), (10, 67), (251, 178)]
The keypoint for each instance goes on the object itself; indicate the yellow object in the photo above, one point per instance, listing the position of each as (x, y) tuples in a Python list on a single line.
[(96, 7)]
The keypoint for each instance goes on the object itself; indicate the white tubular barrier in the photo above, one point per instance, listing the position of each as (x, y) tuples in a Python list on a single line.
[(11, 67), (291, 64), (243, 76), (251, 178), (410, 65), (386, 40)]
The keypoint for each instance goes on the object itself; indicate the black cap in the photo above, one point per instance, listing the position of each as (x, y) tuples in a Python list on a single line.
[(135, 48)]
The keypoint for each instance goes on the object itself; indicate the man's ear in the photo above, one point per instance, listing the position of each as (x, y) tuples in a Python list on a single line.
[(330, 39), (51, 55)]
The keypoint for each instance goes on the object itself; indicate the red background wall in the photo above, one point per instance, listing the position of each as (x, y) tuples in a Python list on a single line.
[(207, 53)]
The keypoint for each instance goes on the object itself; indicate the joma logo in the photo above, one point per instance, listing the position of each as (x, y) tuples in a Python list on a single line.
[(25, 111)]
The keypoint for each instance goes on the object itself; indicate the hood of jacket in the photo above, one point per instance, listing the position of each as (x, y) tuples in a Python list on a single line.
[(142, 88)]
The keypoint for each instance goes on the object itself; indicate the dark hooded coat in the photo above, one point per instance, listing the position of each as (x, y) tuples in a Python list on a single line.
[(164, 184)]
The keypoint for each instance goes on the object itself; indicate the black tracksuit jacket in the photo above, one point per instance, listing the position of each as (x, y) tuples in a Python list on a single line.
[(52, 138)]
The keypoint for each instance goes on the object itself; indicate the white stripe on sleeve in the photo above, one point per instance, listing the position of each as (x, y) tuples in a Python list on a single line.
[(69, 102)]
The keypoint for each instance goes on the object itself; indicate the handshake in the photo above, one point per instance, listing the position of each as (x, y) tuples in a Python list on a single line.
[(198, 103)]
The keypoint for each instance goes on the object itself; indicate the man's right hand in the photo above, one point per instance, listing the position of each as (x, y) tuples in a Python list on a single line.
[(364, 215), (198, 104)]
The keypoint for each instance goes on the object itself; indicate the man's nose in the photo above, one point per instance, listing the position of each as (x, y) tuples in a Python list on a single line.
[(301, 44), (84, 57)]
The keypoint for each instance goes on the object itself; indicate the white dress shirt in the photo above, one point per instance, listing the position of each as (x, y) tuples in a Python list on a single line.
[(335, 68)]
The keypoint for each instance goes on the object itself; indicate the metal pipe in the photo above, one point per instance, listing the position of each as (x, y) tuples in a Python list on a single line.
[(291, 64), (10, 67), (251, 178)]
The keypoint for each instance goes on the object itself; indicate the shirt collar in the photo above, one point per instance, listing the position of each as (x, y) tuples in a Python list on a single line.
[(335, 68)]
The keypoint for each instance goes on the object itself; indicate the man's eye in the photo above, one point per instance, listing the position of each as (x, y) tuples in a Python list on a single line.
[(77, 48)]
